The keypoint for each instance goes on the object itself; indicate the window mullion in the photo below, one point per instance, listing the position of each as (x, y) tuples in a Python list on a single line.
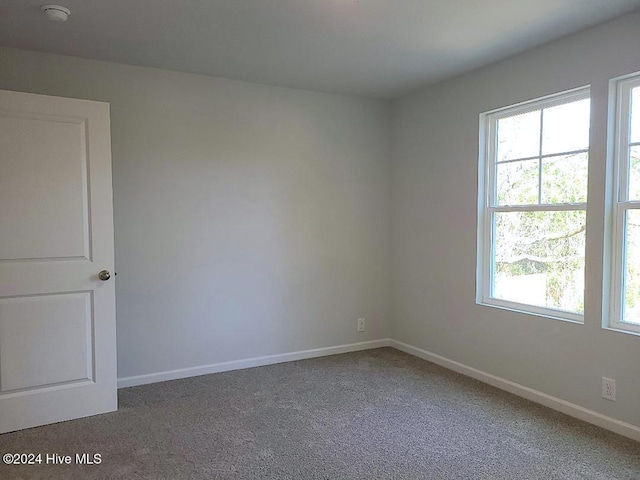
[(553, 207), (548, 155), (540, 157)]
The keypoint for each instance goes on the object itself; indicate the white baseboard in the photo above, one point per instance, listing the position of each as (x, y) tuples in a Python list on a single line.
[(568, 408), (248, 363)]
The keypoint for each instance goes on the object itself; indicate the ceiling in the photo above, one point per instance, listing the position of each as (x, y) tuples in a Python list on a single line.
[(379, 48)]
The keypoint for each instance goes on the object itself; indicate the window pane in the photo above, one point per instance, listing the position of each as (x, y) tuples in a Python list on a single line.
[(539, 258), (631, 312), (566, 127), (517, 183), (635, 115), (519, 136), (634, 173), (564, 178)]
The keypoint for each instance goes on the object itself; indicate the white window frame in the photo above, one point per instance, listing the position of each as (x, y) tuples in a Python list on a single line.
[(487, 205), (620, 101)]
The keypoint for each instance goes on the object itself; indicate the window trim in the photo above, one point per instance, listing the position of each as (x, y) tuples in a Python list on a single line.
[(617, 203), (486, 192)]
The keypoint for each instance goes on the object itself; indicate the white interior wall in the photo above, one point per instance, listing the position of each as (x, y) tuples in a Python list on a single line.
[(434, 211), (249, 220)]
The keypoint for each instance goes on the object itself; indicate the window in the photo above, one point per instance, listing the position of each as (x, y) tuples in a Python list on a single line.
[(625, 245), (532, 206)]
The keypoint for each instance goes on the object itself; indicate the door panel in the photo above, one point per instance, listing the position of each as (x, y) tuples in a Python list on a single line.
[(57, 318), (58, 327), (43, 180)]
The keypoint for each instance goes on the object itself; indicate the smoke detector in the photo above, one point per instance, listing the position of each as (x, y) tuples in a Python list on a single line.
[(56, 13)]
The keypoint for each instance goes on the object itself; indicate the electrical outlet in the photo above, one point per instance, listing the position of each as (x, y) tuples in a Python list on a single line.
[(609, 389), (362, 324)]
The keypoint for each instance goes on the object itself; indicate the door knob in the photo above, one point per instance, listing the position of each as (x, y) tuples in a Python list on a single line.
[(104, 275)]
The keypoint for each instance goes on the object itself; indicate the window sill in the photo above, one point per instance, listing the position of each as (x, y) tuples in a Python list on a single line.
[(621, 330), (574, 318)]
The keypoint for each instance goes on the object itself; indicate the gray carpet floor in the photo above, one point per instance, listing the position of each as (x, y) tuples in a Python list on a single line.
[(365, 415)]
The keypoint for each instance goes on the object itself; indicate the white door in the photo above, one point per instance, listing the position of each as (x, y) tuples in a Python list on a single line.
[(57, 318)]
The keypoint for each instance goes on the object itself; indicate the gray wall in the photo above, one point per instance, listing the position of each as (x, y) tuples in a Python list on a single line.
[(249, 220), (434, 198)]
